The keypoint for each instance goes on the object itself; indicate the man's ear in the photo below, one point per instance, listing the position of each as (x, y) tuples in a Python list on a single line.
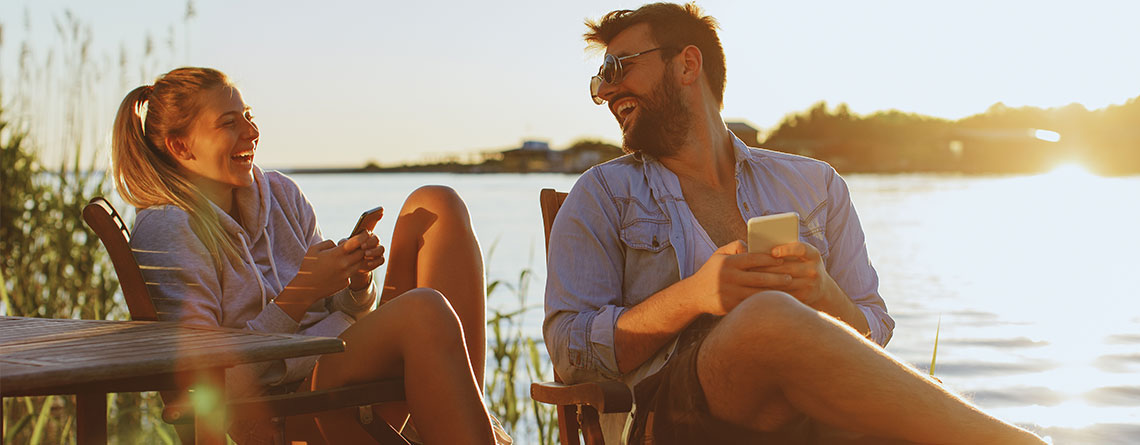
[(691, 63), (178, 148)]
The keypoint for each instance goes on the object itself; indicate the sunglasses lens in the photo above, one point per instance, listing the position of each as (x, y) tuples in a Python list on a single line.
[(609, 71), (595, 84)]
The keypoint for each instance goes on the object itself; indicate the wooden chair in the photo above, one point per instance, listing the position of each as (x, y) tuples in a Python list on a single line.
[(578, 405), (101, 216)]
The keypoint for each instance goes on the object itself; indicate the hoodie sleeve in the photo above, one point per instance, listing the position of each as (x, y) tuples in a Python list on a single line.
[(185, 285)]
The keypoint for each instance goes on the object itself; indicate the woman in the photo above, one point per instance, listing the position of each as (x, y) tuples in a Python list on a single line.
[(223, 243)]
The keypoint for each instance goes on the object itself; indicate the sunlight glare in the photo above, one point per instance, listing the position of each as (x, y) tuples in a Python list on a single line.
[(1047, 135), (1069, 171)]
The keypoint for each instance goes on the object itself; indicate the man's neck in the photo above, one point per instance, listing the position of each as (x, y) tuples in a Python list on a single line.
[(707, 156)]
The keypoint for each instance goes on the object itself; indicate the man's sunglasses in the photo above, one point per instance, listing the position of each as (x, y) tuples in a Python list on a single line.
[(610, 72)]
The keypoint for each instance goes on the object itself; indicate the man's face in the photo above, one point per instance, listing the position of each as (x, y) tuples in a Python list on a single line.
[(647, 103)]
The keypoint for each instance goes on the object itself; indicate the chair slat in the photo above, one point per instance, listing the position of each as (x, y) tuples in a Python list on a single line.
[(101, 216)]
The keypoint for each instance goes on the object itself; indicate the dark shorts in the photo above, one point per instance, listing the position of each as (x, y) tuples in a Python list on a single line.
[(672, 409)]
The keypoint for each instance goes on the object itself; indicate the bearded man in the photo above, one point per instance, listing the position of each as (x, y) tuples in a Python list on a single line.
[(650, 283)]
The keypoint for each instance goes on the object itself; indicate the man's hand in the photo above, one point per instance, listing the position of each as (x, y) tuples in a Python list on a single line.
[(810, 283), (732, 274)]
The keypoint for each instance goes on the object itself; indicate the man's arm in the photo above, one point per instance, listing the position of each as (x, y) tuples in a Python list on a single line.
[(728, 277)]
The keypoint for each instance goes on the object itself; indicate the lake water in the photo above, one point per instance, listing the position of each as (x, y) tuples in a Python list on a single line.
[(1034, 278)]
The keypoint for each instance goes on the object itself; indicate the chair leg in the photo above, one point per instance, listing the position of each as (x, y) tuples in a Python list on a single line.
[(567, 424), (591, 426)]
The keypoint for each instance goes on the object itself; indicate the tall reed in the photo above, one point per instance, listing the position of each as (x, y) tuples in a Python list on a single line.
[(517, 361), (53, 140)]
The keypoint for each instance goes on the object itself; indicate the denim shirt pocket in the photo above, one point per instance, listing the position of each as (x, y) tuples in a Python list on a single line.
[(645, 230)]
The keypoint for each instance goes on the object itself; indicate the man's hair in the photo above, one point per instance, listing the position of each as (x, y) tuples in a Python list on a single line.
[(671, 26)]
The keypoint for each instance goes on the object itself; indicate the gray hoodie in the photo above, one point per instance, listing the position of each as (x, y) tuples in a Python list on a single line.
[(186, 284)]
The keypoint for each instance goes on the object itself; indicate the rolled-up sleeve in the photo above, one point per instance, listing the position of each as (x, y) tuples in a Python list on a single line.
[(848, 262), (585, 266)]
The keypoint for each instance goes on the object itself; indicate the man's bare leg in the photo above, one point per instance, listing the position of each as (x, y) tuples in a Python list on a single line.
[(773, 357)]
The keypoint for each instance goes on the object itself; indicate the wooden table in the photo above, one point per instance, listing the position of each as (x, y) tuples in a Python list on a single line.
[(90, 358)]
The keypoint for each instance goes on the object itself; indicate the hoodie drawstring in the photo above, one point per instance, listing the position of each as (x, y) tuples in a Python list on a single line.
[(249, 256), (273, 265)]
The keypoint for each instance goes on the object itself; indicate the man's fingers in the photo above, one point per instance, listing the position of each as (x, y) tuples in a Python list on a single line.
[(732, 248), (796, 249), (762, 279), (798, 269), (752, 260)]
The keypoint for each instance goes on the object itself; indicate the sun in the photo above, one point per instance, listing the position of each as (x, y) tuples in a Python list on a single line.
[(1070, 171)]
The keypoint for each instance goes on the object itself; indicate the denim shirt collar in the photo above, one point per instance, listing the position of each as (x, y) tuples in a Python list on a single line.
[(741, 153)]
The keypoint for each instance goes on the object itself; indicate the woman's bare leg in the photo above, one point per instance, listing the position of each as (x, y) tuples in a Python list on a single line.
[(433, 245), (416, 336)]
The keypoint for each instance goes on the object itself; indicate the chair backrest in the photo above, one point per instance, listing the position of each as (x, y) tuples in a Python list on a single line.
[(551, 201), (101, 216)]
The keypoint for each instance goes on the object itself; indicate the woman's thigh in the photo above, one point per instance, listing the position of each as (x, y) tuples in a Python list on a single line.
[(375, 346)]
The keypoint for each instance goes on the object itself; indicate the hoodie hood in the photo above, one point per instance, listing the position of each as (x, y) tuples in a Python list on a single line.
[(253, 204)]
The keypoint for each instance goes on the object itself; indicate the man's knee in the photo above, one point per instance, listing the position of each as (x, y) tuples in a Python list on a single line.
[(769, 315), (737, 362)]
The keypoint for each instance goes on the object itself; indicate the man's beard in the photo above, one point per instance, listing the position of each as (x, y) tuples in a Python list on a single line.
[(663, 121)]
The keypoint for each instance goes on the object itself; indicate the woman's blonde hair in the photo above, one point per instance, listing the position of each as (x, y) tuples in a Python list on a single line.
[(146, 174)]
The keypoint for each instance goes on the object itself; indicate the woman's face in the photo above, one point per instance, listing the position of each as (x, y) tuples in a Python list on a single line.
[(219, 145)]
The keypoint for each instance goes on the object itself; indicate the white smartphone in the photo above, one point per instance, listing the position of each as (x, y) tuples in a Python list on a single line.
[(766, 232)]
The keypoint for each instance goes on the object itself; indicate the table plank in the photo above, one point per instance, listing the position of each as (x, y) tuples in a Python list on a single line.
[(37, 354)]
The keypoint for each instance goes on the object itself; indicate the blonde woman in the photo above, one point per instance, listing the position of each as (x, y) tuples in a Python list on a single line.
[(224, 243)]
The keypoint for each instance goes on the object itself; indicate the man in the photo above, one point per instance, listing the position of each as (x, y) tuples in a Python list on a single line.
[(650, 283)]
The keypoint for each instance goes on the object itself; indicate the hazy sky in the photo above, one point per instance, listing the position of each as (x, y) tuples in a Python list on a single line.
[(344, 82)]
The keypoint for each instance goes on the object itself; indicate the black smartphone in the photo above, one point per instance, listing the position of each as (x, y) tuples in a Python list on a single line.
[(367, 221)]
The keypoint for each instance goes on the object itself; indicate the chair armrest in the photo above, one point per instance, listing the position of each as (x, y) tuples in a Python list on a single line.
[(606, 396), (292, 404)]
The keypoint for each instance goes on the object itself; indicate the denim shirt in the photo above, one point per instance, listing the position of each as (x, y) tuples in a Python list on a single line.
[(619, 238)]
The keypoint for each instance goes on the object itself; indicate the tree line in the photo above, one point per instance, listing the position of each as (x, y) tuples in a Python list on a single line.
[(1002, 139)]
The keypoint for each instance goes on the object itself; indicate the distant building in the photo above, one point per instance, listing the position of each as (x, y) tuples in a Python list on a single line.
[(585, 154), (533, 156), (746, 132)]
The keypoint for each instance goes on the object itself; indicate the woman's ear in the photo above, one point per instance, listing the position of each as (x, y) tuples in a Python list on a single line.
[(691, 63), (178, 148)]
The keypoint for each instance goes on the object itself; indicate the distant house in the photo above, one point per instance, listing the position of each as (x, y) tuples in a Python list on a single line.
[(533, 156), (585, 154), (746, 132)]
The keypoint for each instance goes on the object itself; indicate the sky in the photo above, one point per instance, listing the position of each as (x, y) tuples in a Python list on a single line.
[(341, 83)]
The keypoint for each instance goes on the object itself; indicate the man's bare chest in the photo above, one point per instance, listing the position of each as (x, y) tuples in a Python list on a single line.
[(717, 212)]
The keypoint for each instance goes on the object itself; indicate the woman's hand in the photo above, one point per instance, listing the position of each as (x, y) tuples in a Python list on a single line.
[(327, 268), (373, 258)]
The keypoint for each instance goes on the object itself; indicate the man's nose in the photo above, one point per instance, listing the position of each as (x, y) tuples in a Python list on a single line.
[(606, 90)]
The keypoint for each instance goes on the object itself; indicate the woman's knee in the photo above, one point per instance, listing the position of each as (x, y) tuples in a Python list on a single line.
[(426, 311), (439, 199)]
